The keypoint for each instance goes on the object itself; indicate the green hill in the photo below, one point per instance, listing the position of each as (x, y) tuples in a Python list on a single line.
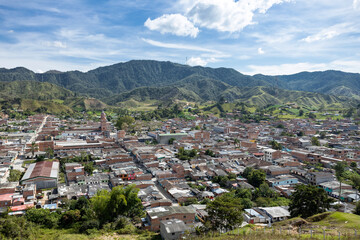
[(146, 80), (297, 228), (327, 82), (33, 90)]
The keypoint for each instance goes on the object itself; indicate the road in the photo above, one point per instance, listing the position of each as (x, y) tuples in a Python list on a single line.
[(39, 129), (164, 194)]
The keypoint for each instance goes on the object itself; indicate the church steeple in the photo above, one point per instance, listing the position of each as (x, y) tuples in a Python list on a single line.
[(103, 124)]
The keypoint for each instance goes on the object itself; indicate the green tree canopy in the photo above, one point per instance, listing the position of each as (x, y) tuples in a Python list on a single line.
[(315, 141), (256, 178), (225, 212), (308, 200), (121, 201), (124, 122)]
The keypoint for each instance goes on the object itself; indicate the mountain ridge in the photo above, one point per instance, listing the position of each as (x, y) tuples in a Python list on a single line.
[(166, 81)]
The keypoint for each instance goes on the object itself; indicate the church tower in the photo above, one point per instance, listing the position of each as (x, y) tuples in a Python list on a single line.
[(103, 125)]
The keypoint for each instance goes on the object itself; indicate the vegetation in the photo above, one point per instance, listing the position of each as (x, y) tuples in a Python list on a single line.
[(186, 154), (166, 82), (308, 200), (315, 141), (15, 175), (124, 122), (340, 173), (275, 145), (254, 177), (225, 212)]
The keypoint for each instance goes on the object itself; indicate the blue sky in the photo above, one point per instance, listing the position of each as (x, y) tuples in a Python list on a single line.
[(251, 36)]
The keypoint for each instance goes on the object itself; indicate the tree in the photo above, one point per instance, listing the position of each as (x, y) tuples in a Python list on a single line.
[(121, 201), (256, 178), (301, 112), (225, 212), (322, 135), (123, 122), (315, 141), (237, 142), (357, 208), (50, 152), (265, 191), (312, 115), (15, 175), (300, 134), (89, 167), (275, 145), (171, 140), (43, 217), (70, 217), (247, 172), (339, 173), (33, 148), (209, 153), (308, 200), (355, 179), (16, 228), (353, 164)]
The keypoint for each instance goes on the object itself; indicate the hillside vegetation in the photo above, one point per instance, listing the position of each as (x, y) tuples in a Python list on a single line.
[(331, 222), (144, 81)]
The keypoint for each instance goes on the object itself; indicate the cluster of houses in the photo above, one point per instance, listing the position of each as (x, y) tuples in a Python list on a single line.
[(168, 185)]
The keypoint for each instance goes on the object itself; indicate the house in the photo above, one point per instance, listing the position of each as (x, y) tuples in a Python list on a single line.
[(282, 180), (315, 178), (44, 174), (333, 188), (252, 216), (155, 215), (172, 229), (275, 213), (271, 154)]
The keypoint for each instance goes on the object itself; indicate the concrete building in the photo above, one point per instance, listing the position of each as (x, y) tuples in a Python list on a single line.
[(172, 229), (315, 178), (43, 174), (164, 138), (155, 215)]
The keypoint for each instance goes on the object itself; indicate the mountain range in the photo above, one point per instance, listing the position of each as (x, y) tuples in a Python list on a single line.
[(144, 80)]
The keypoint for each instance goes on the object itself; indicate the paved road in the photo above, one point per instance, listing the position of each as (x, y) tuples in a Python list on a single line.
[(33, 138), (164, 193)]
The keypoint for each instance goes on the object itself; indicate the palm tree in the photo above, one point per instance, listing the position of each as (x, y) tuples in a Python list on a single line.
[(340, 170), (49, 152), (237, 142), (33, 148)]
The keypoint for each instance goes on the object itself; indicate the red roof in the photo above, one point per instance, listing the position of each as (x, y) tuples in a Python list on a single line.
[(21, 207), (42, 169), (258, 154), (6, 197)]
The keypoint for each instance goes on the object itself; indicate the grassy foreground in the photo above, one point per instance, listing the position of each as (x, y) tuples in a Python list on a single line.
[(321, 226)]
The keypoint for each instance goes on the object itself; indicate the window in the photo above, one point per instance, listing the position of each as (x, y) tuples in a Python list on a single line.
[(184, 216)]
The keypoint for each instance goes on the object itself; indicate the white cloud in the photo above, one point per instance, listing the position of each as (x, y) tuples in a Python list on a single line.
[(260, 51), (342, 65), (226, 15), (175, 24), (323, 35), (330, 32), (198, 61), (178, 46), (59, 44), (356, 4)]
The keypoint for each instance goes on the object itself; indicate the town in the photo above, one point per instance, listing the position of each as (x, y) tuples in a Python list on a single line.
[(178, 165)]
